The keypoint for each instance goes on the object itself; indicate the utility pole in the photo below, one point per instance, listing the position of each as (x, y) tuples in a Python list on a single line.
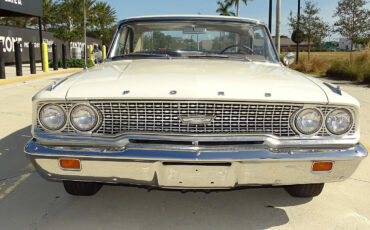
[(270, 15), (85, 47), (298, 29), (277, 36)]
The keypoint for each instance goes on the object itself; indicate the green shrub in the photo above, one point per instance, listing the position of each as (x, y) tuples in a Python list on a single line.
[(79, 63), (358, 70), (316, 65), (73, 63)]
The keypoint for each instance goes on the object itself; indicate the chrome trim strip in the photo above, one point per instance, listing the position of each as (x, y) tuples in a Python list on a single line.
[(269, 140), (191, 18), (358, 151)]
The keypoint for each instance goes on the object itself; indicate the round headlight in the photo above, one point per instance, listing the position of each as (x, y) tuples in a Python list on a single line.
[(52, 117), (339, 121), (83, 118), (308, 121)]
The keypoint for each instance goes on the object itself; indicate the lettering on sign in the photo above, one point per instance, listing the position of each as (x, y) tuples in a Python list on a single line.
[(17, 2), (8, 43)]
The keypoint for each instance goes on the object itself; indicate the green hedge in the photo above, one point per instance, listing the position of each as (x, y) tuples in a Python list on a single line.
[(73, 63), (358, 70)]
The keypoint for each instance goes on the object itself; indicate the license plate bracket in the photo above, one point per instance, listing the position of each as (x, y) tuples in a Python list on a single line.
[(196, 176)]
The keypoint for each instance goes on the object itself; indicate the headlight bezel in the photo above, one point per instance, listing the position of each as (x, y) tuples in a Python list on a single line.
[(97, 114), (300, 132), (350, 112), (66, 118)]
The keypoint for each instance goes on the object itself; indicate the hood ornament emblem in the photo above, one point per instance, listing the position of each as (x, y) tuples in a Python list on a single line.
[(125, 92), (196, 120), (173, 92)]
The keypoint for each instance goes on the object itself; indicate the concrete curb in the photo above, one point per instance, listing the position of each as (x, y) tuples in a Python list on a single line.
[(36, 76)]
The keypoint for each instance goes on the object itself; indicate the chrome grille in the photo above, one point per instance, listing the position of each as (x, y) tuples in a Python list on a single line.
[(164, 117)]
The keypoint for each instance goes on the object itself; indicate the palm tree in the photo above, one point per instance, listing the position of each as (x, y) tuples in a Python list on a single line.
[(223, 8), (48, 7), (236, 3), (103, 20)]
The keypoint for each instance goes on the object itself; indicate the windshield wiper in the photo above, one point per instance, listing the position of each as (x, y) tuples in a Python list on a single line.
[(207, 56), (141, 55), (241, 58)]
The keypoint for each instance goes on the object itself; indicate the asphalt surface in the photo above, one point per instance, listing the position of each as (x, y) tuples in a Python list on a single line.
[(27, 201)]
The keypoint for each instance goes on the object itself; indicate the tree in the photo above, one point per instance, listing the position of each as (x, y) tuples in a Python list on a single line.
[(103, 19), (18, 21), (363, 41), (48, 17), (236, 3), (223, 9), (353, 20), (70, 21), (312, 26)]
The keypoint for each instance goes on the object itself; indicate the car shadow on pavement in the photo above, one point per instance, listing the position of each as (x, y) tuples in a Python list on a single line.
[(12, 157), (127, 207)]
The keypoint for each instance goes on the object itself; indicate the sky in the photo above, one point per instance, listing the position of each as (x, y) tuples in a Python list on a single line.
[(257, 9)]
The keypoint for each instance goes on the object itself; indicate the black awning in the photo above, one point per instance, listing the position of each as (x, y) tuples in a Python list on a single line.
[(22, 8)]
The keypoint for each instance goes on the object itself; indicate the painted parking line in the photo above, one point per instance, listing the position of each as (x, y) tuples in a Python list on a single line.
[(367, 147), (37, 76), (11, 183), (8, 189)]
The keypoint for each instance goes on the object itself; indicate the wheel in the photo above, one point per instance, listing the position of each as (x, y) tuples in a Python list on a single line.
[(77, 188), (304, 190)]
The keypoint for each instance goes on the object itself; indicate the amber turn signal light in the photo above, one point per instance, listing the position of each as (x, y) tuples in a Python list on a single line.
[(70, 163), (322, 166)]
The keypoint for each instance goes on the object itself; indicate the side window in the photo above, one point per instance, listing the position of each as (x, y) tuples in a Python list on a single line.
[(124, 42), (259, 42), (262, 48)]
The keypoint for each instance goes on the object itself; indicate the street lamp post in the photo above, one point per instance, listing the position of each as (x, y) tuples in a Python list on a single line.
[(277, 36), (270, 15), (85, 47), (298, 25)]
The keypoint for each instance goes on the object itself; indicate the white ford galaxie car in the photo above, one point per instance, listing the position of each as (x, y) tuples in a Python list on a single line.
[(194, 102)]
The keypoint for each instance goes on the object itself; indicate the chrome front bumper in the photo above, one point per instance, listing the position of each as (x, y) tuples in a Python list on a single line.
[(200, 169)]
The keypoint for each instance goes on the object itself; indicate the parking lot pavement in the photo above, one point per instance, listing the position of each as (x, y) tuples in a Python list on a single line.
[(27, 201)]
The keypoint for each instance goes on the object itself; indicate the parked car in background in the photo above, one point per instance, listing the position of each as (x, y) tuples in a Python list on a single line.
[(194, 102)]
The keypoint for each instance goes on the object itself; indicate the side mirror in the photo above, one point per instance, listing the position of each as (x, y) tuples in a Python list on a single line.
[(288, 59)]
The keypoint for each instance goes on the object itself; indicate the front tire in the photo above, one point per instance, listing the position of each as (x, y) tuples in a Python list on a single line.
[(78, 188), (304, 190)]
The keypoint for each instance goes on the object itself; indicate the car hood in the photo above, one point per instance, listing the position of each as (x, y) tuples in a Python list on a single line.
[(180, 79)]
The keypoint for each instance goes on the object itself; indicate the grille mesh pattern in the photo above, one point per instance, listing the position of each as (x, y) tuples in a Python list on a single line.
[(165, 117)]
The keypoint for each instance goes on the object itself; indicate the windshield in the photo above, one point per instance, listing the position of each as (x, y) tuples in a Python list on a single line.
[(227, 40)]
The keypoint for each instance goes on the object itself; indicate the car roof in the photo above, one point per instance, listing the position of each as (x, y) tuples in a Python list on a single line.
[(191, 17)]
